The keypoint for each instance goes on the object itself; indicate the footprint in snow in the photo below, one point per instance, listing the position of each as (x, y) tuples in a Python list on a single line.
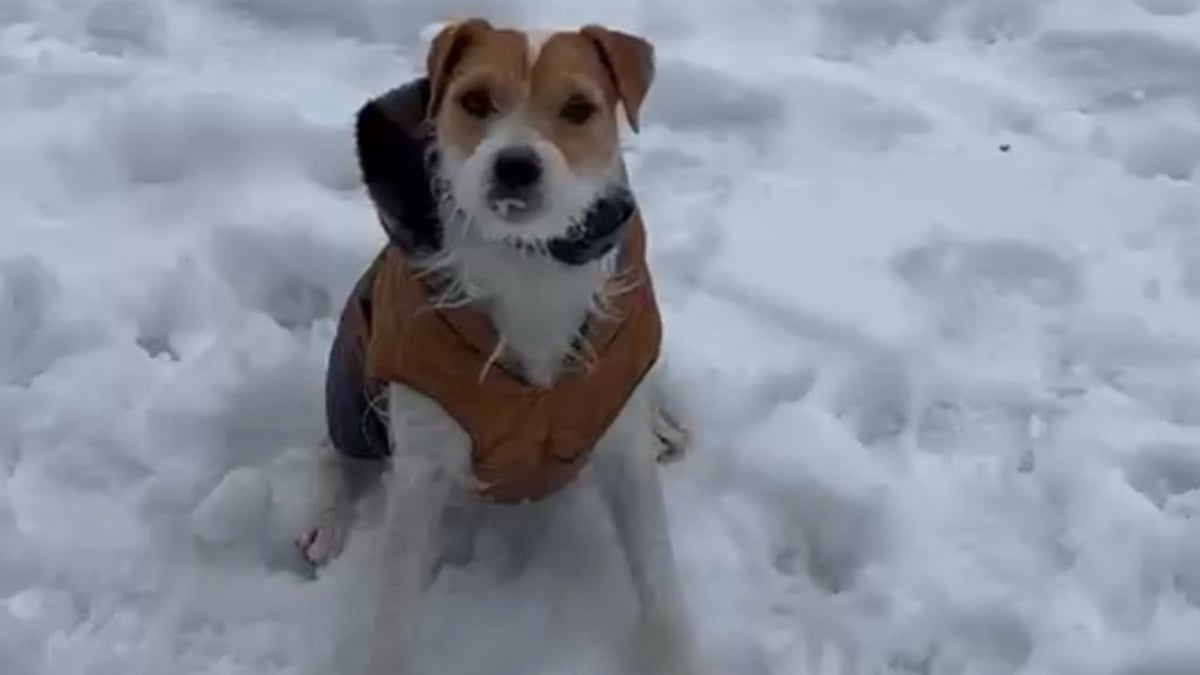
[(942, 268), (1121, 68), (278, 273), (1170, 7), (1168, 150), (1161, 471), (117, 27)]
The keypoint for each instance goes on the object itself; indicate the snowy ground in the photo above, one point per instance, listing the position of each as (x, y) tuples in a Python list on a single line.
[(932, 277)]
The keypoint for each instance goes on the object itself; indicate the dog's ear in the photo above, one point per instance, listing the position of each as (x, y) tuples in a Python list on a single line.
[(445, 52), (630, 62)]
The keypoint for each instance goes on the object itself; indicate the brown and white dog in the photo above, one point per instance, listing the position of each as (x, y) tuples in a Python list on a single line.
[(509, 340)]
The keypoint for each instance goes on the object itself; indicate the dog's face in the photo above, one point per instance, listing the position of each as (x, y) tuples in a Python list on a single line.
[(527, 124)]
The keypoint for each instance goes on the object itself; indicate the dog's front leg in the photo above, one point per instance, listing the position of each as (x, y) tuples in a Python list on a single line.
[(427, 452), (628, 475)]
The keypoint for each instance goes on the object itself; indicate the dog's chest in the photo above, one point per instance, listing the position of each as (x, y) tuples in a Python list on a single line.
[(538, 309), (528, 441)]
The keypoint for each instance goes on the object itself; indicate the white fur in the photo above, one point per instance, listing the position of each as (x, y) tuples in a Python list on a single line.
[(537, 38), (429, 453), (566, 194), (536, 304)]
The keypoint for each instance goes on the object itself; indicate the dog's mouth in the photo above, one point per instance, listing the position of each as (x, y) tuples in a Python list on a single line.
[(591, 236), (517, 213), (515, 209)]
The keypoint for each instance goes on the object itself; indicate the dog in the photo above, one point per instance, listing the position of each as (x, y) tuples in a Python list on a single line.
[(507, 338)]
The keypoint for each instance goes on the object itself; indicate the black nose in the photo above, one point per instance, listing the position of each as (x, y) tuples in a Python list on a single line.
[(517, 168)]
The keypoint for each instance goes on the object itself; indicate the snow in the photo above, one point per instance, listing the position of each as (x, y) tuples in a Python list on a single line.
[(930, 276)]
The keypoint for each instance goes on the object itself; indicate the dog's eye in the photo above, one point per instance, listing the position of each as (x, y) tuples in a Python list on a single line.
[(578, 110), (477, 103)]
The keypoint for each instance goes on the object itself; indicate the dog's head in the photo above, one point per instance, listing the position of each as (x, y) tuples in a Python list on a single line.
[(526, 125)]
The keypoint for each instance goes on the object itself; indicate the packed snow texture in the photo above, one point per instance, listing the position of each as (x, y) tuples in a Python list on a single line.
[(931, 277)]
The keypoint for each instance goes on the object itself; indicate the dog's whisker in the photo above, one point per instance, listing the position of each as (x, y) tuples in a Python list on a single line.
[(492, 358)]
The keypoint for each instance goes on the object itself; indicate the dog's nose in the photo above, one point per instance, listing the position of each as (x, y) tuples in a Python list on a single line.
[(517, 168)]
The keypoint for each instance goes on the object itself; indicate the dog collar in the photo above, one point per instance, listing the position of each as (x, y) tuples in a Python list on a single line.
[(600, 232)]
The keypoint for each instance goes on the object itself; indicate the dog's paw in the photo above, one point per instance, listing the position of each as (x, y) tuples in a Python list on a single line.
[(320, 544), (665, 646), (673, 438)]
